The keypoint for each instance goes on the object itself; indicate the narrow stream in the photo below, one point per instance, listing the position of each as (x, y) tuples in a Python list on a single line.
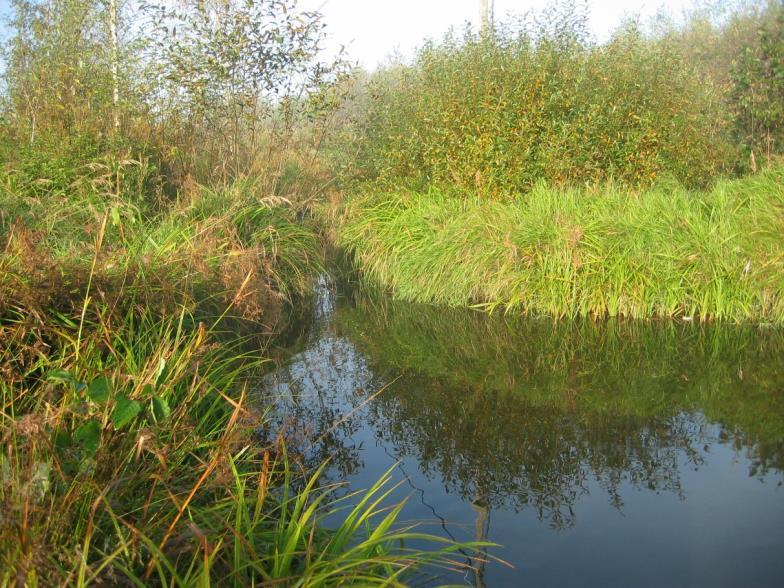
[(610, 454)]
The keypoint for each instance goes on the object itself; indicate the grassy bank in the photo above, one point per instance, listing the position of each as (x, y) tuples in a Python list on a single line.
[(606, 251), (131, 460), (529, 168), (130, 337), (211, 250)]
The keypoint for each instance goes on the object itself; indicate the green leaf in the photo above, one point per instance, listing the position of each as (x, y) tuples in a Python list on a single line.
[(62, 440), (125, 411), (159, 371), (89, 435), (160, 408), (99, 390), (59, 375)]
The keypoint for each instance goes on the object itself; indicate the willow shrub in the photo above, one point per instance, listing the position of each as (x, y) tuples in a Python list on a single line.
[(496, 113)]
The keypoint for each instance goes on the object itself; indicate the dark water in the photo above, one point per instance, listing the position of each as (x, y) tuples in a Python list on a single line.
[(613, 454)]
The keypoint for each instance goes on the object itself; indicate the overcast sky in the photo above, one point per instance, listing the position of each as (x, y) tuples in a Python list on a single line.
[(373, 29)]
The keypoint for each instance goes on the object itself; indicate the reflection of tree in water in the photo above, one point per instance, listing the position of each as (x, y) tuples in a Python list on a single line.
[(647, 370), (313, 396), (528, 415), (493, 448)]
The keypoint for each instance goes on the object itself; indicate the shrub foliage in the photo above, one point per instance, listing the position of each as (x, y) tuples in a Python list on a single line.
[(496, 113)]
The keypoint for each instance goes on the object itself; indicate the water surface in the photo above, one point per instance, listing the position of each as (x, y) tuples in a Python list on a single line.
[(612, 454)]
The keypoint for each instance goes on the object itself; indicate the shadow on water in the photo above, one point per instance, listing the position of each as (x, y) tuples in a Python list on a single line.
[(585, 441)]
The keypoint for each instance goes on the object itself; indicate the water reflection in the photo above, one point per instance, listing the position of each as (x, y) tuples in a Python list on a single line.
[(594, 383), (532, 416)]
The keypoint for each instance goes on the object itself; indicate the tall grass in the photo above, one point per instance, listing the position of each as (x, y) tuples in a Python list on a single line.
[(130, 458), (214, 248), (604, 251)]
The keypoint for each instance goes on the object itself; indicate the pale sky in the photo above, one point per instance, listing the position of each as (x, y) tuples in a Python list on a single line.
[(374, 29)]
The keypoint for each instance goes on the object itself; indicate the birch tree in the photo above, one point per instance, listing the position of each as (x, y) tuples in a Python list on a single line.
[(115, 63), (234, 64)]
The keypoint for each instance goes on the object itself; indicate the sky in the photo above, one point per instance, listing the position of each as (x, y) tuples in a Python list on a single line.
[(375, 29)]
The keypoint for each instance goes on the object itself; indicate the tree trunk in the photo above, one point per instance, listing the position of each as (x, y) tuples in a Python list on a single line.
[(481, 504), (115, 58), (484, 15)]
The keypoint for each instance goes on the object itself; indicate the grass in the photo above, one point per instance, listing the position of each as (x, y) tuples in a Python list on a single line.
[(211, 250), (599, 252), (130, 460), (129, 340)]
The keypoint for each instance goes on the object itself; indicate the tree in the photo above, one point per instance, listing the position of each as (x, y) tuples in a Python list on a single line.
[(758, 86), (234, 66), (115, 59), (56, 80), (484, 8), (70, 74)]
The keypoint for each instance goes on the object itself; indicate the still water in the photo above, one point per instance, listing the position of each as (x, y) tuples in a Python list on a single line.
[(612, 454)]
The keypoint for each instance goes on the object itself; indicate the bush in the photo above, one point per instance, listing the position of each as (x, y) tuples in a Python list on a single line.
[(740, 48), (496, 113), (758, 90)]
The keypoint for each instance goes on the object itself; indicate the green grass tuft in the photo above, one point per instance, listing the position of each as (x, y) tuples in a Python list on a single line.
[(601, 252)]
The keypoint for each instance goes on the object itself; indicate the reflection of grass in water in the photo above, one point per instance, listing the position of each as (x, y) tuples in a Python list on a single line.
[(619, 367), (610, 393)]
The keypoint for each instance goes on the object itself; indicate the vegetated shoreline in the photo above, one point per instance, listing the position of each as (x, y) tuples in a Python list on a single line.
[(155, 230), (666, 252), (129, 342)]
